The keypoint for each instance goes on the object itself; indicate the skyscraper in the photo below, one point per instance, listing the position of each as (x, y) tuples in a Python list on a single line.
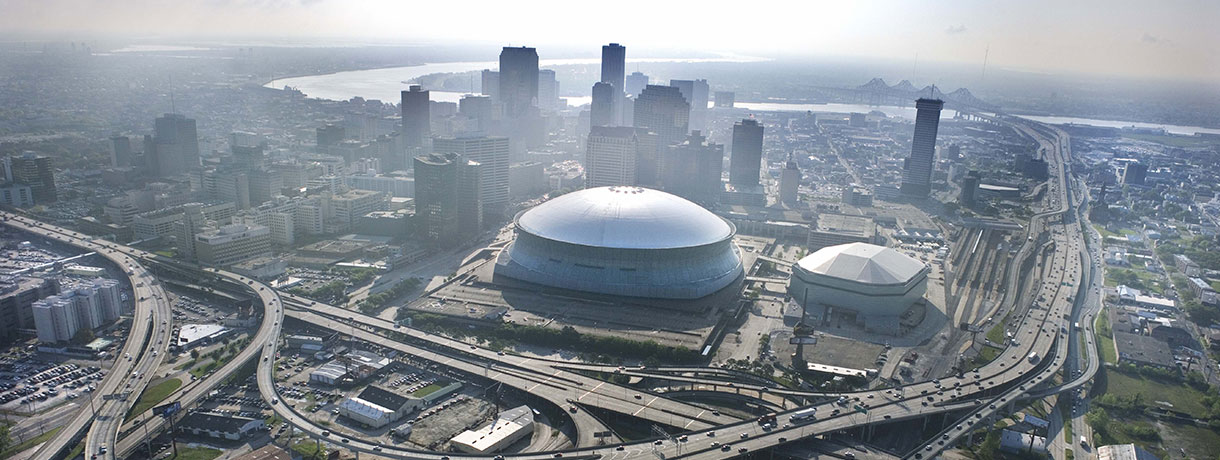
[(695, 92), (493, 155), (120, 151), (663, 110), (610, 156), (614, 64), (789, 182), (1135, 174), (330, 135), (548, 90), (518, 80), (490, 84), (34, 171), (917, 170), (174, 146), (745, 162), (635, 83), (725, 99), (447, 208), (416, 118), (601, 110), (692, 169), (479, 108)]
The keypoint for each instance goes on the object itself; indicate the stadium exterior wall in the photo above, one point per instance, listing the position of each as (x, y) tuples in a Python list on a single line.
[(869, 299), (671, 273)]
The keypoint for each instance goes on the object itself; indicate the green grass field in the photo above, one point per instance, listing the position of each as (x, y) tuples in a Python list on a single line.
[(1183, 398), (34, 441), (154, 395), (425, 391), (195, 453)]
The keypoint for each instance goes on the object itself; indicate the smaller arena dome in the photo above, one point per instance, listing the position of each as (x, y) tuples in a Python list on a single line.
[(873, 281)]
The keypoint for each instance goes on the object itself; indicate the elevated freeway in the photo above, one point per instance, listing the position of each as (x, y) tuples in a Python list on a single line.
[(142, 352)]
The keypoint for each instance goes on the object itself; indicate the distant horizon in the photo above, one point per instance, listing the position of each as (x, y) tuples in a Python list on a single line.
[(1170, 40), (115, 42)]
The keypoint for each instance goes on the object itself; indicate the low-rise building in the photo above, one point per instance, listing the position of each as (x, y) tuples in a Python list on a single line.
[(509, 427), (220, 426), (1124, 452), (232, 243), (836, 229), (17, 297), (1143, 350), (376, 407)]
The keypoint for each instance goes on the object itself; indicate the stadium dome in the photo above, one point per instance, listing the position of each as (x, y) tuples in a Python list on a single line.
[(866, 278), (627, 241)]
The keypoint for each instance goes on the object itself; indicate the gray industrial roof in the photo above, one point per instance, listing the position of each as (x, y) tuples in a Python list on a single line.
[(625, 217)]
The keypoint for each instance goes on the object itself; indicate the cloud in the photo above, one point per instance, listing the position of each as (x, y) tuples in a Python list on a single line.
[(954, 30)]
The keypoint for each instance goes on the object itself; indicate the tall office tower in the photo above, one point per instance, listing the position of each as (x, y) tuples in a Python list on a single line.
[(120, 151), (725, 99), (518, 80), (745, 162), (33, 171), (601, 108), (110, 295), (247, 149), (492, 153), (481, 109), (192, 223), (330, 135), (663, 110), (1135, 174), (917, 170), (416, 121), (174, 146), (55, 319), (490, 84), (548, 90), (789, 182), (614, 64), (610, 156), (693, 168), (695, 92), (469, 195), (447, 208), (635, 83), (970, 186), (264, 185)]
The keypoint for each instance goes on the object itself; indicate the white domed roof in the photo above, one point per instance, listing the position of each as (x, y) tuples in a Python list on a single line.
[(863, 263), (625, 217)]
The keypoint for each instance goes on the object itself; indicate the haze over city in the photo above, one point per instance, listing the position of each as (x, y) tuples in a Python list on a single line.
[(534, 230)]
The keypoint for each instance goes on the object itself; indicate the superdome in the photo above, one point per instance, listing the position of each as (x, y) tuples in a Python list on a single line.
[(628, 241), (625, 217), (874, 281)]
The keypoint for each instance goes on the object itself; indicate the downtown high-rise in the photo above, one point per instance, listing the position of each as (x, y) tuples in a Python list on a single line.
[(174, 146), (518, 80), (614, 64), (416, 121), (917, 169), (745, 160)]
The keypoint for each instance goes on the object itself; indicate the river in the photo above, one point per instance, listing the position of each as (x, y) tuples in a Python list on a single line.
[(386, 84)]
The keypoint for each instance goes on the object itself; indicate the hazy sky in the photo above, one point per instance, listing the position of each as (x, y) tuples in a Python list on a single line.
[(1166, 38)]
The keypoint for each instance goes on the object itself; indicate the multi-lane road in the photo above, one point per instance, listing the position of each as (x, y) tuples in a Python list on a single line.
[(145, 348)]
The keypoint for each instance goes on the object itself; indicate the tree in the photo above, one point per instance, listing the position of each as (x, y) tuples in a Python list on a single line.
[(83, 336), (194, 354)]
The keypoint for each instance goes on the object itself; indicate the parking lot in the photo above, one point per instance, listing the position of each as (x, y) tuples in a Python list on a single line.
[(29, 385)]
